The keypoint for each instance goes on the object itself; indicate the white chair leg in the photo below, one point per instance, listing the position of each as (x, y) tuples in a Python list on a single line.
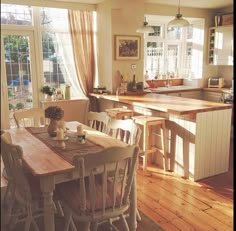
[(68, 218), (72, 225), (125, 224), (35, 225), (59, 209), (94, 226), (138, 217), (27, 224)]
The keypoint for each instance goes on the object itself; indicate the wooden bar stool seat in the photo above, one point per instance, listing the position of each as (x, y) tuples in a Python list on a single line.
[(120, 113), (148, 123)]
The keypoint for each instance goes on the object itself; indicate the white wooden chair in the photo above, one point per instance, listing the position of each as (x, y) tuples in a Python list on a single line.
[(128, 132), (98, 120), (23, 205), (29, 117), (102, 191), (124, 130)]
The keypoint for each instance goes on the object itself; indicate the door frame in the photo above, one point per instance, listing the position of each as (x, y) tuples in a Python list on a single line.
[(5, 120)]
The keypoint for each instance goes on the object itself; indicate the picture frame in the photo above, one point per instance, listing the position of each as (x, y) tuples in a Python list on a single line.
[(227, 19), (127, 47)]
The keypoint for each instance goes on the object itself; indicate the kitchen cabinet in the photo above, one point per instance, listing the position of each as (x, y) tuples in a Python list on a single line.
[(187, 94), (191, 94), (173, 93), (212, 96), (220, 45)]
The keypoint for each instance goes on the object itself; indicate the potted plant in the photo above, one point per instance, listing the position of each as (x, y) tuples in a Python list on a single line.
[(48, 91), (55, 114)]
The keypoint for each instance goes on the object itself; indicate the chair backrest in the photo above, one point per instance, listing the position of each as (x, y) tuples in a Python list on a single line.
[(124, 130), (13, 163), (105, 182), (98, 120), (33, 117)]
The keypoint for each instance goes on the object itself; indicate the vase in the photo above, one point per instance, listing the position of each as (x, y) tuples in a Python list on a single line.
[(52, 127), (48, 97)]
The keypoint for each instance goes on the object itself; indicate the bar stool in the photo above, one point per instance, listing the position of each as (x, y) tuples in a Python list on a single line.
[(148, 123), (120, 113)]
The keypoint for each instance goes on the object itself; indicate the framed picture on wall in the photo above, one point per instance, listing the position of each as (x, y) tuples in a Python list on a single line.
[(127, 47)]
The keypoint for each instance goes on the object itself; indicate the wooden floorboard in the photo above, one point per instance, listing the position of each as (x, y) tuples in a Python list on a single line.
[(180, 204)]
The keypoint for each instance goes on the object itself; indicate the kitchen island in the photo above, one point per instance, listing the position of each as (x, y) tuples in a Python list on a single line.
[(198, 131)]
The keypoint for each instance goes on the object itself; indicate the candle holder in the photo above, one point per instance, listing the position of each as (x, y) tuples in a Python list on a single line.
[(81, 138), (61, 142)]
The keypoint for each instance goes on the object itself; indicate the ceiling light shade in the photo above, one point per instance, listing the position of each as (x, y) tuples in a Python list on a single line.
[(178, 21), (145, 28)]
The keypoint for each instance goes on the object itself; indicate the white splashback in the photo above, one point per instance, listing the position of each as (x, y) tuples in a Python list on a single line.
[(227, 73)]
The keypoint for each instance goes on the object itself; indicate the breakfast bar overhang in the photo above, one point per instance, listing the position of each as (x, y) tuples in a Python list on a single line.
[(198, 130)]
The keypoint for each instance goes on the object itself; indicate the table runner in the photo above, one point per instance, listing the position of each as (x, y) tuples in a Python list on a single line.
[(73, 146)]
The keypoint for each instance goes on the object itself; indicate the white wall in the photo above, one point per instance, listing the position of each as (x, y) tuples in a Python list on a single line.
[(127, 16)]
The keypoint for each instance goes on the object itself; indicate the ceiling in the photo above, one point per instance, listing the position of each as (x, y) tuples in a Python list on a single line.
[(205, 4)]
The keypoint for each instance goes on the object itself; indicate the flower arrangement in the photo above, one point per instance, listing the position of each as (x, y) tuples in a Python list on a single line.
[(54, 113), (48, 90)]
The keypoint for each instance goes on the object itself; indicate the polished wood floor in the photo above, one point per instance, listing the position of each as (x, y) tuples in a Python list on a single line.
[(180, 204)]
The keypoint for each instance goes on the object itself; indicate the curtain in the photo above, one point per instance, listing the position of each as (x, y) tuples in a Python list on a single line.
[(81, 28), (66, 54)]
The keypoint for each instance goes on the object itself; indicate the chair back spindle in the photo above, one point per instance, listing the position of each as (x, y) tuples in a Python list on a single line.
[(33, 117), (98, 120)]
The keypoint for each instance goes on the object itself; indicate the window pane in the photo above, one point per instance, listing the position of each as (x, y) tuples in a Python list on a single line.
[(55, 19), (16, 14), (155, 59), (172, 59), (18, 71), (53, 65), (174, 33)]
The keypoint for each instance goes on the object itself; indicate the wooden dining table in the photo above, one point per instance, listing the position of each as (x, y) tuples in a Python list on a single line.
[(53, 165)]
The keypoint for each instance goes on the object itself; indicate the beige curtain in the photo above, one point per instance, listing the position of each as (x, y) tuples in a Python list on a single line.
[(81, 27)]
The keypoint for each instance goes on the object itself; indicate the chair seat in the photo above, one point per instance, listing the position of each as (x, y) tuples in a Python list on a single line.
[(73, 201)]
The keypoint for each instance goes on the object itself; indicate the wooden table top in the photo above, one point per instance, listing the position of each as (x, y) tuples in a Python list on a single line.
[(166, 103), (43, 160)]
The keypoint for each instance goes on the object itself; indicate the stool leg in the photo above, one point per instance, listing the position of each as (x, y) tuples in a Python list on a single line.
[(150, 141), (164, 146), (145, 146), (172, 150)]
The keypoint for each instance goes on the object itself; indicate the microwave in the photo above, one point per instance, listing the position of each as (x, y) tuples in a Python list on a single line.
[(216, 82)]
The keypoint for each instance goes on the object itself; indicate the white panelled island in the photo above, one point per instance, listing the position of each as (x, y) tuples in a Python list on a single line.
[(198, 130)]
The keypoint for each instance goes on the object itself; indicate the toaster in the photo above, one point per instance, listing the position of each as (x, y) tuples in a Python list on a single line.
[(216, 82)]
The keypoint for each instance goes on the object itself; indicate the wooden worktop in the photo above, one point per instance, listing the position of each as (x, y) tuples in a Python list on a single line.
[(165, 103)]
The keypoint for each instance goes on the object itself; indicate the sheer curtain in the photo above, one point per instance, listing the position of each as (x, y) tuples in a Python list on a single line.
[(66, 54), (81, 27), (55, 24)]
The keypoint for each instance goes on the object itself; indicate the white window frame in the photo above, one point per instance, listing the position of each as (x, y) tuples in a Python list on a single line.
[(181, 43)]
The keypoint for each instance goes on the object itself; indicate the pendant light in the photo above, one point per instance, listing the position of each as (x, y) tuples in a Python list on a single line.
[(145, 28), (178, 21)]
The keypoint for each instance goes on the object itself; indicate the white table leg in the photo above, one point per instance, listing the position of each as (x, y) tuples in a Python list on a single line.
[(133, 206), (47, 187)]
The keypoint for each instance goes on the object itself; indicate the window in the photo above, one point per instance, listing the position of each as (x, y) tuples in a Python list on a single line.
[(55, 59), (175, 53), (58, 63), (16, 14), (37, 50)]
